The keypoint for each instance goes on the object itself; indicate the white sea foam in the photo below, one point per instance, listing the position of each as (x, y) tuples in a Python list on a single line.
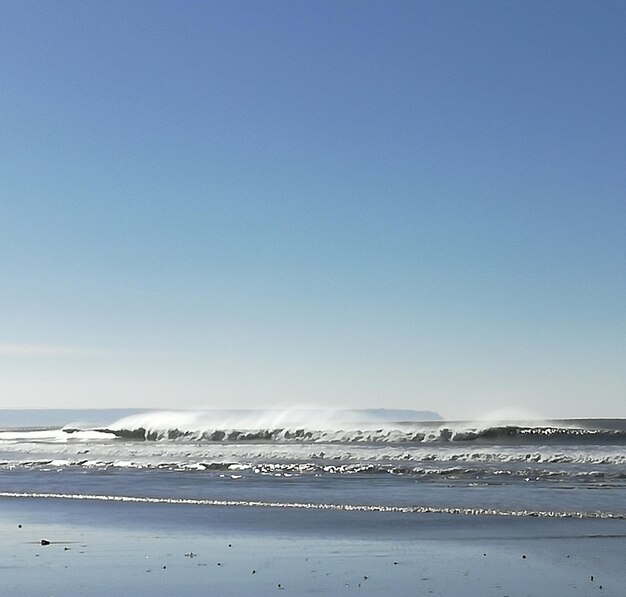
[(60, 436), (320, 506)]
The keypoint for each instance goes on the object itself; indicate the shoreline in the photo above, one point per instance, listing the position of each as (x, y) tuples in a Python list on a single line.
[(160, 549), (450, 510)]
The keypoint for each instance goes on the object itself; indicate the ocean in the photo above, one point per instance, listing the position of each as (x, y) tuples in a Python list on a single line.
[(350, 460)]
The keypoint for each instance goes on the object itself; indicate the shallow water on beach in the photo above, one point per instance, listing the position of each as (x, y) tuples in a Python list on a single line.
[(137, 548)]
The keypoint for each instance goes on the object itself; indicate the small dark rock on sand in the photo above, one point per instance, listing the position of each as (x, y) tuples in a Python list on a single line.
[(45, 542)]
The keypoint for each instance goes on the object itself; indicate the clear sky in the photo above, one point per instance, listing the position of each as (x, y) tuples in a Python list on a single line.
[(358, 204)]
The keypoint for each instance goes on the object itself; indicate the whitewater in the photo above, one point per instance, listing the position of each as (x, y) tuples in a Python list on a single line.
[(365, 460)]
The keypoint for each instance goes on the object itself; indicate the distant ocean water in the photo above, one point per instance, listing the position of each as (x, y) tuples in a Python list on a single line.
[(336, 459)]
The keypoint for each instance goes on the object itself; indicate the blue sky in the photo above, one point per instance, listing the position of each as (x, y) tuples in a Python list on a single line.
[(404, 204)]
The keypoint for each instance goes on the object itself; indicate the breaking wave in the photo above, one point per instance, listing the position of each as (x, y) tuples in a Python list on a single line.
[(322, 428)]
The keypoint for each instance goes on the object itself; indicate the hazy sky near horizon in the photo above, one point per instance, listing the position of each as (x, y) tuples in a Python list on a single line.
[(357, 204)]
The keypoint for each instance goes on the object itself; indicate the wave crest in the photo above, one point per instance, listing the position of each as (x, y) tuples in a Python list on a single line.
[(191, 427)]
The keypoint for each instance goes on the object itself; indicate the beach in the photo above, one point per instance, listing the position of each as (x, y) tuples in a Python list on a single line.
[(265, 503), (98, 548)]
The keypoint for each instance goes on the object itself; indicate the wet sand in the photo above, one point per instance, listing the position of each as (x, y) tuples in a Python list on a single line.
[(155, 550)]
